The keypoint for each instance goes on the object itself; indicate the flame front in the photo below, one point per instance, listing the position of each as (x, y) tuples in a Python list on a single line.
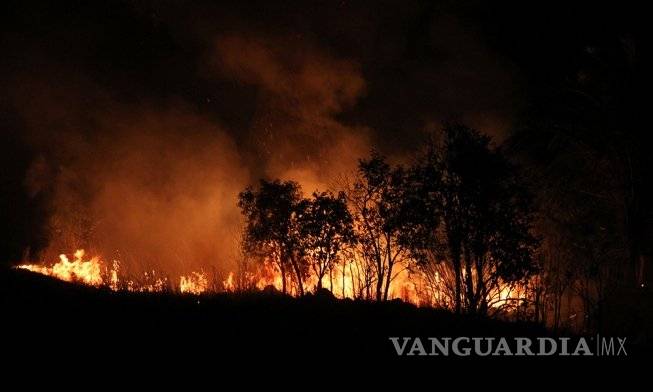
[(344, 281), (93, 272), (195, 283), (84, 271)]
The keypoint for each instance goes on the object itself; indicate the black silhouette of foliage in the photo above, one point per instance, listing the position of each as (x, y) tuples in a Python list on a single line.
[(325, 228), (462, 203), (271, 230), (376, 200), (467, 205)]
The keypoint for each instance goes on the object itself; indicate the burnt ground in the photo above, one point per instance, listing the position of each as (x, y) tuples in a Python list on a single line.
[(47, 321)]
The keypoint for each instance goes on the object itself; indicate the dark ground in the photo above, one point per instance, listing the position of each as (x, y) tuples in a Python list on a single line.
[(47, 321)]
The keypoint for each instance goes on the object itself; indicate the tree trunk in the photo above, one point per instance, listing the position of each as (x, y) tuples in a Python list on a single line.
[(379, 279), (469, 283), (282, 268), (298, 274), (481, 295), (344, 270), (456, 267), (388, 278), (331, 279), (557, 309), (379, 288)]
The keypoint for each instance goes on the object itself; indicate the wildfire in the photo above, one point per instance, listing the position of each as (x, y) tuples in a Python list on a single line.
[(195, 283), (344, 281), (508, 294), (80, 270), (229, 284), (93, 272), (150, 282)]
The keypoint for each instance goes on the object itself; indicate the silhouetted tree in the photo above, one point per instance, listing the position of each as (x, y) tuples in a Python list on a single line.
[(325, 229), (470, 207), (271, 230), (375, 199)]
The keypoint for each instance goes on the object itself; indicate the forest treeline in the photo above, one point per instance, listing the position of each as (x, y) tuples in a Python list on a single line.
[(459, 217), (556, 213)]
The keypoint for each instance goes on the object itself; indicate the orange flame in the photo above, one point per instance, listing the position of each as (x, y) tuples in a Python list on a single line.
[(229, 284), (85, 271), (343, 281), (195, 283), (93, 272)]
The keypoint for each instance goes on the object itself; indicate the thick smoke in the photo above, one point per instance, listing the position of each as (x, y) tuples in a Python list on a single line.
[(142, 124), (155, 184), (301, 92), (153, 187)]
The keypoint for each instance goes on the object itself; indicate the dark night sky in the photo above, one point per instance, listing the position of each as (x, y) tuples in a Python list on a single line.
[(421, 61), (285, 82)]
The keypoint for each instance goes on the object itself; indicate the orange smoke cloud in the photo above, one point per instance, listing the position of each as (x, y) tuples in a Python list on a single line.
[(158, 191), (302, 90), (155, 184)]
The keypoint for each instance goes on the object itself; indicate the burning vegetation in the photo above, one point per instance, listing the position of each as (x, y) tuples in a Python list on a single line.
[(89, 271), (95, 272), (135, 136), (440, 233)]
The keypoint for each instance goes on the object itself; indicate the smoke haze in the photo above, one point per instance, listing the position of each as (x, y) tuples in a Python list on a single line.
[(139, 124)]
